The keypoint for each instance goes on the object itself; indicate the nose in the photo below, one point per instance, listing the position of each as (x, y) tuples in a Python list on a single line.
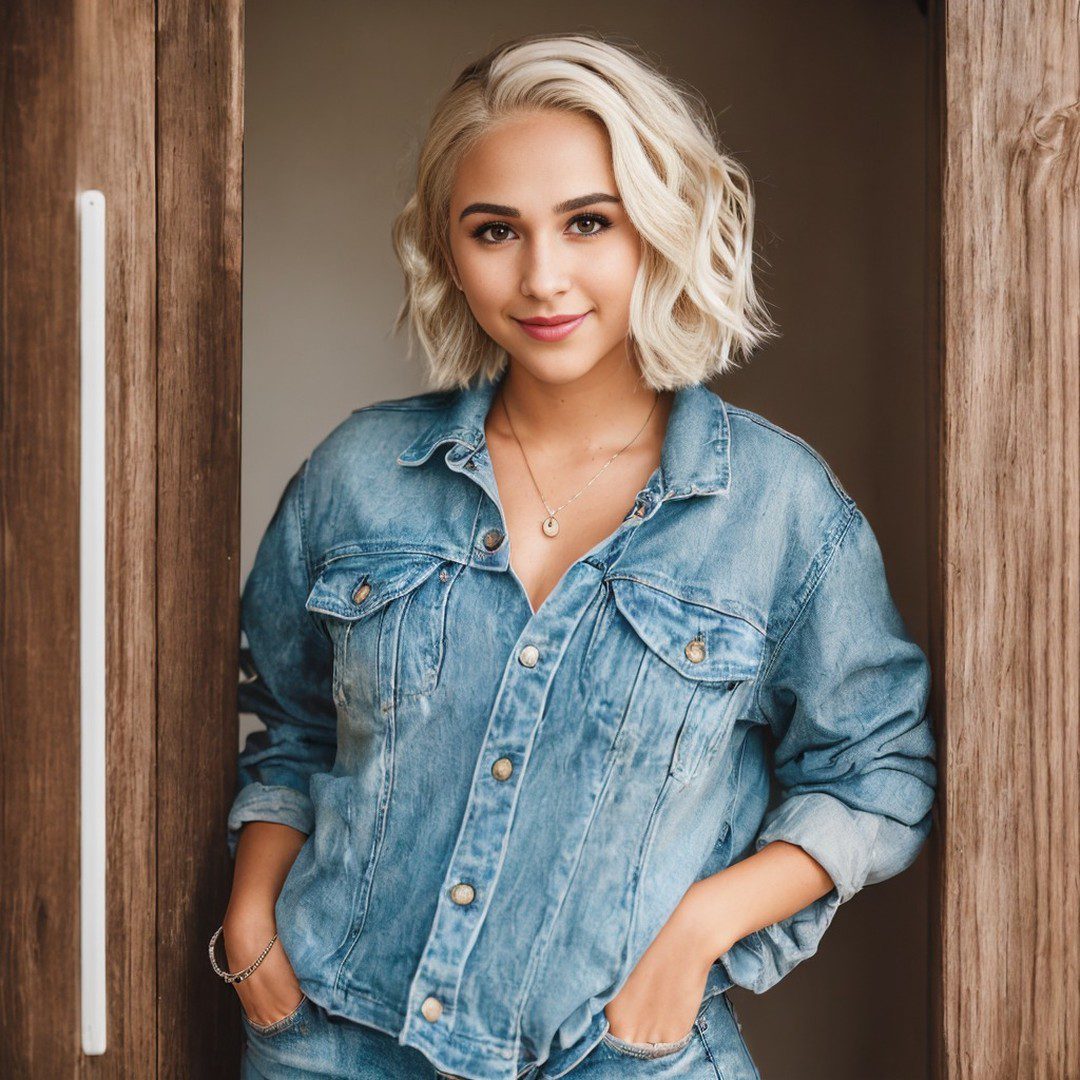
[(544, 271)]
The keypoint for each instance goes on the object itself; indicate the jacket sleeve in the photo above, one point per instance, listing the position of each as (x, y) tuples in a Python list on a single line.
[(286, 679), (845, 694)]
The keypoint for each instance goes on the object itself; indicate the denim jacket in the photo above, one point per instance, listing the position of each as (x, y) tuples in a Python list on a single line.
[(503, 806)]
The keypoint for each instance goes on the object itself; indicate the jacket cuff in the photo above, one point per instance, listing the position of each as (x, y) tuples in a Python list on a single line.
[(842, 841), (760, 960), (839, 838), (262, 802)]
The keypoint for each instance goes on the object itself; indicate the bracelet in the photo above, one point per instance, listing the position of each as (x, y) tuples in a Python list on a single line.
[(236, 976)]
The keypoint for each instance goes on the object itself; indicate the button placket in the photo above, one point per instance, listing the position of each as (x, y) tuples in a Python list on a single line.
[(489, 810)]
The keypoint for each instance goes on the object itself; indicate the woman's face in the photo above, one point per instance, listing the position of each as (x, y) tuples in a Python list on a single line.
[(537, 230)]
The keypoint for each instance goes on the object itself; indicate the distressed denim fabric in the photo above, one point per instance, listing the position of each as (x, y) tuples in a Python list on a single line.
[(316, 1044), (504, 806)]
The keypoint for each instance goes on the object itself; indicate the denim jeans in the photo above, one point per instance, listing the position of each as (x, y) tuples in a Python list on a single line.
[(312, 1042)]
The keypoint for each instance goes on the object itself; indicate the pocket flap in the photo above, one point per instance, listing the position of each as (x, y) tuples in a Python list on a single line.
[(698, 641), (353, 586)]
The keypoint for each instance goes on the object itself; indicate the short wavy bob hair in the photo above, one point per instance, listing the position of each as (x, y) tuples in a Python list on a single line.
[(693, 309)]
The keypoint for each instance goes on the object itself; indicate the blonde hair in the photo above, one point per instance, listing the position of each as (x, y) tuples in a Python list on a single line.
[(693, 308)]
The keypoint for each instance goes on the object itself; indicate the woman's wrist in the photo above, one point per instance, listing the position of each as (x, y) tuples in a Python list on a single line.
[(244, 937), (255, 918), (249, 923)]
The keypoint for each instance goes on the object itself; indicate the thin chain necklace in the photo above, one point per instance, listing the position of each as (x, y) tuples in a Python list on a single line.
[(550, 524)]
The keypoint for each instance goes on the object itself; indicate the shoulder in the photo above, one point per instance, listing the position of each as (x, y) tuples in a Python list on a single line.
[(794, 507), (783, 462), (373, 435), (356, 461)]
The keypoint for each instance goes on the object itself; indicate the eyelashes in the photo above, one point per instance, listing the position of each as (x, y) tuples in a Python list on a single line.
[(605, 223)]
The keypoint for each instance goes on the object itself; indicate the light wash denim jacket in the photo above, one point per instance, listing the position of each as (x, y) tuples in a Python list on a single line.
[(505, 806)]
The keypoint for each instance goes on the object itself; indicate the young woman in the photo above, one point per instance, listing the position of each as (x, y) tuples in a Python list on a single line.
[(530, 646)]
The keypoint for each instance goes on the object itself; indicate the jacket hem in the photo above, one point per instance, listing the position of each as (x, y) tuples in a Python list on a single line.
[(484, 1059)]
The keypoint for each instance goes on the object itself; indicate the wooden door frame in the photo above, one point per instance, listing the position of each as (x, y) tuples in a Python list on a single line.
[(146, 103), (1004, 365)]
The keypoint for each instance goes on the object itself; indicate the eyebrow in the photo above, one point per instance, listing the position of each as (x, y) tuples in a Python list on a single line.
[(562, 208)]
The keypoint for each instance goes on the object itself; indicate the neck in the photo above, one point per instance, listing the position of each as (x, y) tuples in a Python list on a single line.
[(596, 414)]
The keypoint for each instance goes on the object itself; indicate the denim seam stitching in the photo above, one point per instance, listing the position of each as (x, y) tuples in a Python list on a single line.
[(625, 576), (768, 425), (819, 566), (301, 522)]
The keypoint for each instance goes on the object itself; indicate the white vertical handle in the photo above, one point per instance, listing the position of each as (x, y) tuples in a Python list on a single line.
[(92, 617)]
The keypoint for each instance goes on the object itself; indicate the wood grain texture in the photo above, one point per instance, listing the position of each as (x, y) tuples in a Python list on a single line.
[(114, 55), (39, 485), (1009, 535), (78, 113), (199, 174)]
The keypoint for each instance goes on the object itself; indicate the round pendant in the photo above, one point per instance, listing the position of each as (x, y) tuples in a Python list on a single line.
[(550, 526)]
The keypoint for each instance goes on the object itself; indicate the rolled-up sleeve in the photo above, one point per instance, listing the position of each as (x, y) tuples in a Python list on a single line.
[(845, 695), (286, 679)]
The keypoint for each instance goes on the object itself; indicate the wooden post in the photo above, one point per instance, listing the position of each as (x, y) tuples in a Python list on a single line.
[(200, 124), (1007, 635)]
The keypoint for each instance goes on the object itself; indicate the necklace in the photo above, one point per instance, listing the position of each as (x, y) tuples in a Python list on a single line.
[(550, 524)]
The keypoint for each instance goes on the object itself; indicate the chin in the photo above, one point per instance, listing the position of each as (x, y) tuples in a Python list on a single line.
[(554, 369)]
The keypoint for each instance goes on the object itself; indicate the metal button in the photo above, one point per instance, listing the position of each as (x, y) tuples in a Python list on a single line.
[(361, 593), (444, 575), (529, 655), (470, 464), (695, 651), (492, 539), (502, 768), (431, 1008), (640, 511), (462, 893)]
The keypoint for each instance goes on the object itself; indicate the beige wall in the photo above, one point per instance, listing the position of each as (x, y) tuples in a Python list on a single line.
[(824, 104)]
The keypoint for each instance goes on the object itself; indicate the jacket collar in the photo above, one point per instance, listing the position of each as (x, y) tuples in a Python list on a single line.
[(695, 458)]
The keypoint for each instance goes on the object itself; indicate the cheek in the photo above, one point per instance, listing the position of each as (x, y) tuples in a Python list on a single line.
[(488, 291), (612, 273), (486, 283)]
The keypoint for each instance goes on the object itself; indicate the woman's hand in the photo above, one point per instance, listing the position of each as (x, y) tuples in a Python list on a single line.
[(272, 990), (660, 1000), (265, 853)]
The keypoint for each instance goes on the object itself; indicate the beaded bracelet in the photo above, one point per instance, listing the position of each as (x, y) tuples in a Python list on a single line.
[(237, 976)]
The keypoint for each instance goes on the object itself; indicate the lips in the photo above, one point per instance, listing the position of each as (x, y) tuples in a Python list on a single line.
[(552, 328), (552, 320)]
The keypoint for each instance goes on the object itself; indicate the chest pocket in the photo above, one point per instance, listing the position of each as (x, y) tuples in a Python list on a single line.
[(386, 615), (700, 666)]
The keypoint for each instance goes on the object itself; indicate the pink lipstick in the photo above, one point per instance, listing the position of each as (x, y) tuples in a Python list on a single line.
[(554, 328)]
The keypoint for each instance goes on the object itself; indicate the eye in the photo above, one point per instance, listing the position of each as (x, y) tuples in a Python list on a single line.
[(598, 222), (478, 233)]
